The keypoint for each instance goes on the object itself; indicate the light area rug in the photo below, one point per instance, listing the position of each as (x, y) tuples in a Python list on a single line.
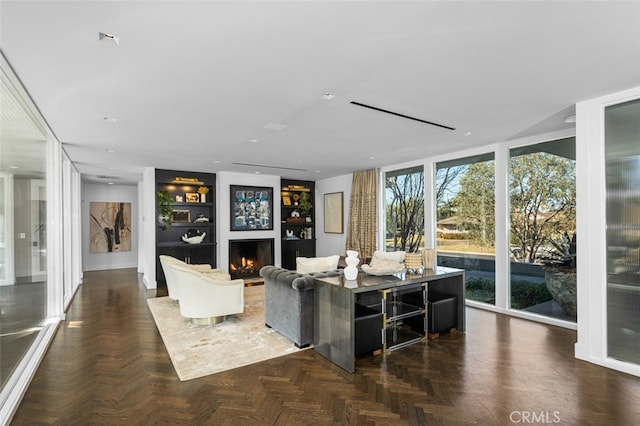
[(240, 340)]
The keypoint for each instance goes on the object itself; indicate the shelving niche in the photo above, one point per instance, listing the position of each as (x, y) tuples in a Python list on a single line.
[(188, 205), (298, 231)]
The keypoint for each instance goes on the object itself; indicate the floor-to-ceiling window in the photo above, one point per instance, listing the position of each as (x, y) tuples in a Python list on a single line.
[(23, 229), (465, 221), (404, 209), (542, 229)]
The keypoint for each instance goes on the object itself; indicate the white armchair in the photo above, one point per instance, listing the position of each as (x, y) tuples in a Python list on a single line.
[(173, 286), (206, 299)]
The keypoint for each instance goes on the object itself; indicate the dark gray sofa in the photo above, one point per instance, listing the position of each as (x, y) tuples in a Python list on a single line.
[(289, 300)]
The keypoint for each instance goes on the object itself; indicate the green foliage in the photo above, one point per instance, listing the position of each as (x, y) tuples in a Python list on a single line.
[(165, 207), (476, 203), (304, 204), (526, 293), (543, 198), (523, 293), (481, 290)]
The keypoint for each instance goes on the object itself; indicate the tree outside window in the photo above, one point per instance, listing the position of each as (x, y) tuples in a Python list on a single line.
[(404, 209)]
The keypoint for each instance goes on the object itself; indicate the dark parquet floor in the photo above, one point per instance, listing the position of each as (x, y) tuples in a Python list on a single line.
[(108, 366)]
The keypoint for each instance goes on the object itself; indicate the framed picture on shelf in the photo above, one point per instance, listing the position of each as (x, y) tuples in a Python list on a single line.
[(333, 213), (192, 197), (286, 200), (251, 208), (181, 216)]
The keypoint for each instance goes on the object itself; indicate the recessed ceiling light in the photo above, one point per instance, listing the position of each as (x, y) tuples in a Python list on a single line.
[(372, 158), (317, 171), (217, 161), (106, 36), (253, 140), (272, 125), (257, 173), (111, 150), (109, 119), (467, 134), (110, 183), (328, 96)]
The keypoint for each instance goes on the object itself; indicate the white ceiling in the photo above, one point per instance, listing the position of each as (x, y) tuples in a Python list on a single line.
[(192, 83)]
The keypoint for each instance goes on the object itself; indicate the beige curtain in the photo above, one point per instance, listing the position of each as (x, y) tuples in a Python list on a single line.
[(363, 213)]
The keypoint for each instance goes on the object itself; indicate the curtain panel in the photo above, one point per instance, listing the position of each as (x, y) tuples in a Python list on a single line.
[(363, 213)]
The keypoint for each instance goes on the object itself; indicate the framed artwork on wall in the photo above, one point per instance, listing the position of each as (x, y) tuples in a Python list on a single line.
[(251, 208), (333, 213), (110, 227)]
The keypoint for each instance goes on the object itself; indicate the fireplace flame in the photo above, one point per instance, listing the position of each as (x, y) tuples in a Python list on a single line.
[(245, 266)]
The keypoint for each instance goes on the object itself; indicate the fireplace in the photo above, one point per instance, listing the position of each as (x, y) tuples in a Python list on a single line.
[(246, 257)]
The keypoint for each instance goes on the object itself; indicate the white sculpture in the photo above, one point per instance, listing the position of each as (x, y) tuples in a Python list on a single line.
[(195, 239), (351, 271)]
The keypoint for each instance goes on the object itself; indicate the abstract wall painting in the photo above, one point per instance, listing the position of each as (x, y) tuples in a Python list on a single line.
[(110, 227)]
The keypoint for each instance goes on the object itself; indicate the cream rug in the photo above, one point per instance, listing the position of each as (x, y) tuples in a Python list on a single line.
[(242, 339)]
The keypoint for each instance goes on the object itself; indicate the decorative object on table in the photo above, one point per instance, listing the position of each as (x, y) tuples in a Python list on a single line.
[(333, 213), (110, 227), (413, 262), (385, 263), (295, 213), (296, 199), (251, 208), (351, 270), (289, 234), (181, 216), (192, 197), (193, 236), (429, 258), (203, 191), (201, 218), (165, 207)]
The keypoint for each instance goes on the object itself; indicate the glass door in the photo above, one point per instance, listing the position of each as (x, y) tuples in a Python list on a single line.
[(622, 156)]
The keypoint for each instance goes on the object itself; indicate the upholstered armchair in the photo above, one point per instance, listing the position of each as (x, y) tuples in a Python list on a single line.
[(206, 299), (173, 287)]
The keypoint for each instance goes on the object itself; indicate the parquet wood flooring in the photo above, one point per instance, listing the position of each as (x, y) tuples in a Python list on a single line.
[(108, 366)]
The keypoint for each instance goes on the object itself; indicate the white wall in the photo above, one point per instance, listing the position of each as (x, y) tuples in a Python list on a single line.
[(148, 213), (329, 244), (105, 193), (223, 215)]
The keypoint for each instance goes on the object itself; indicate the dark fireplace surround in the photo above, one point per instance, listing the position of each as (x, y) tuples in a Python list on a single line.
[(246, 257)]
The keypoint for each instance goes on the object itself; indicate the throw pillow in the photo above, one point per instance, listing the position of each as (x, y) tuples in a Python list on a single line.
[(394, 256), (309, 265)]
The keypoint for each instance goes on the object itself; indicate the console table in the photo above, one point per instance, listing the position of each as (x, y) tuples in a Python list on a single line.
[(348, 311)]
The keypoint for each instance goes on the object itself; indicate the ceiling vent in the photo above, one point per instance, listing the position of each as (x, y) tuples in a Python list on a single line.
[(402, 115), (107, 177), (269, 167)]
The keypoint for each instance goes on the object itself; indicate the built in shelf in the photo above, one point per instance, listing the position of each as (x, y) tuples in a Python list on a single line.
[(184, 245)]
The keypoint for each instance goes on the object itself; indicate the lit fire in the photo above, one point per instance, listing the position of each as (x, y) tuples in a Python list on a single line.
[(246, 265)]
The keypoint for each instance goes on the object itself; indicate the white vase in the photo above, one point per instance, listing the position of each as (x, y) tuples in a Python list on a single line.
[(351, 271)]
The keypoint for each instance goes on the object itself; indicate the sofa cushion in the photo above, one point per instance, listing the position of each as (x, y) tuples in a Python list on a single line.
[(309, 265)]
